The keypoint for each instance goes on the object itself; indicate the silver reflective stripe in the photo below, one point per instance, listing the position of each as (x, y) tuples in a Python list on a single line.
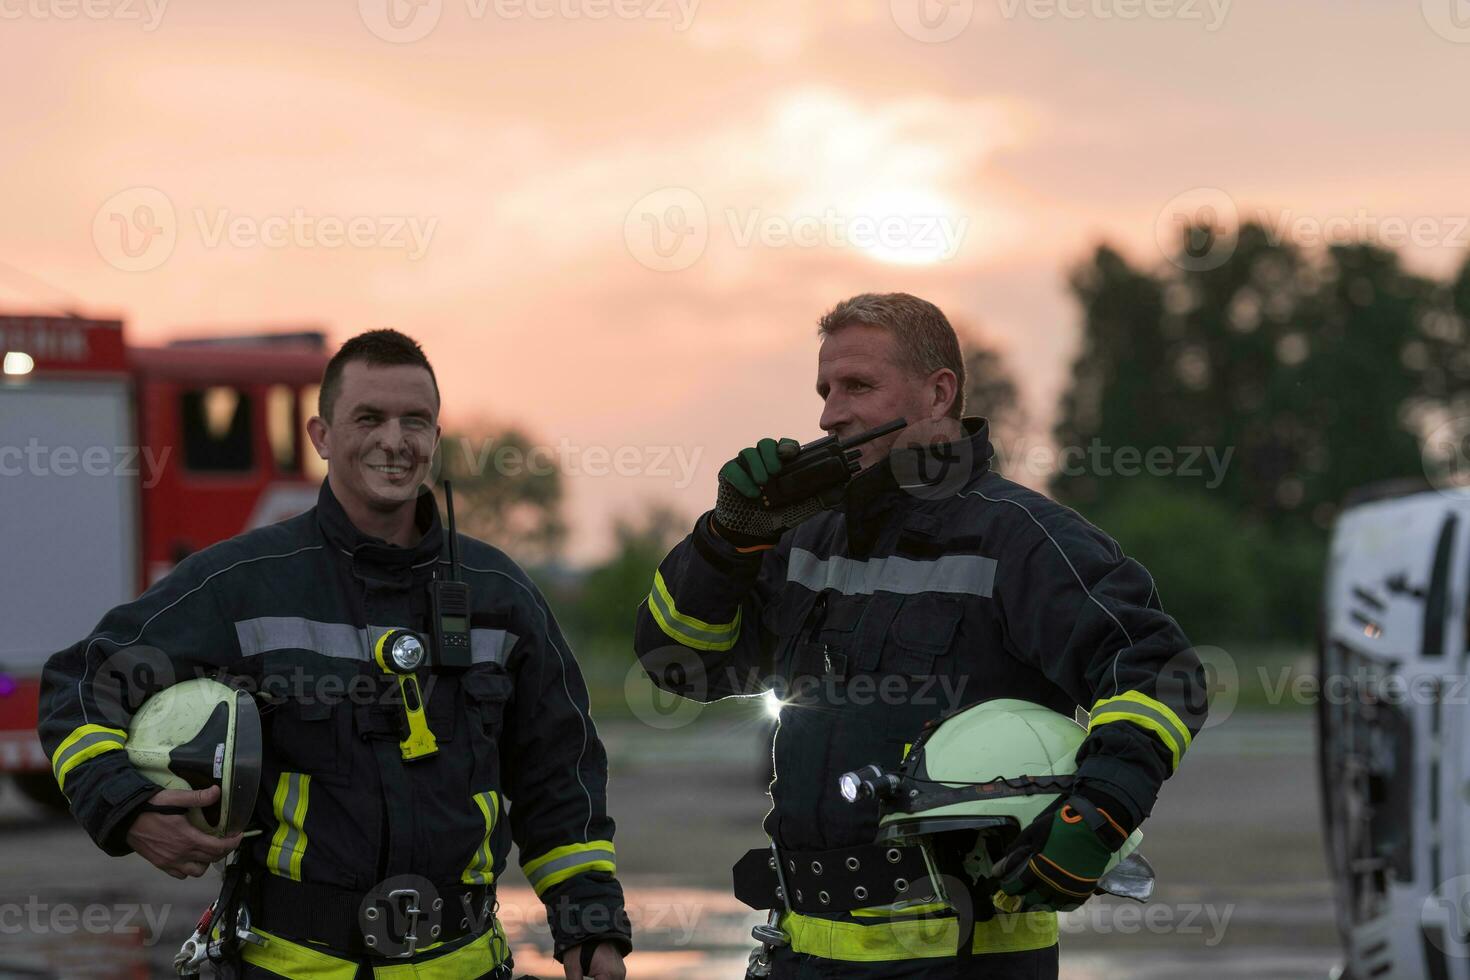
[(568, 861), (671, 617), (58, 767), (269, 633), (491, 646), (1127, 706), (348, 642), (479, 873), (289, 842), (966, 574)]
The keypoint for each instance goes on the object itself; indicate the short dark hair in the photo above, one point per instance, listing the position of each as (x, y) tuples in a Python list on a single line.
[(925, 340), (383, 348)]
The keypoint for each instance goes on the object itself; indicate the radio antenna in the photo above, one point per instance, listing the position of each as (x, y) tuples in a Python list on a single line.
[(453, 535)]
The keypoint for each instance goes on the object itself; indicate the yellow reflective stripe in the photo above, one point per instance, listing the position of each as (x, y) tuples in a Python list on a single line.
[(288, 843), (858, 942), (689, 631), (481, 955), (479, 872), (296, 961), (556, 866), (897, 909), (85, 742), (1148, 713)]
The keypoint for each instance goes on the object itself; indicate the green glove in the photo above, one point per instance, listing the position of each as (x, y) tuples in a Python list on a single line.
[(1055, 863), (755, 467)]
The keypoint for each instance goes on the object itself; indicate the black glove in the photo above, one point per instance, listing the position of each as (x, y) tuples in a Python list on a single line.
[(736, 514), (1055, 863)]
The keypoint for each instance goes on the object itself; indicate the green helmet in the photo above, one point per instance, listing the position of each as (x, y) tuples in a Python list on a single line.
[(985, 773), (197, 734)]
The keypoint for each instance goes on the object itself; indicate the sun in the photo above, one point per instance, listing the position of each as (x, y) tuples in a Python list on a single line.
[(907, 226)]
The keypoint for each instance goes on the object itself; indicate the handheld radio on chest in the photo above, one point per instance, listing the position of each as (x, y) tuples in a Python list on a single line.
[(449, 607)]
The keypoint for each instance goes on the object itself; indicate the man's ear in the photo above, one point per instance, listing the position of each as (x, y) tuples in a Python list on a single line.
[(316, 429), (944, 389)]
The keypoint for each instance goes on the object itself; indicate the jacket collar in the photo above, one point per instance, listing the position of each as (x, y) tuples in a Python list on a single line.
[(921, 472), (365, 549)]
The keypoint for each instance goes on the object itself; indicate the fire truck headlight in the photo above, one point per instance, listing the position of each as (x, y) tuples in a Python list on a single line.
[(18, 362)]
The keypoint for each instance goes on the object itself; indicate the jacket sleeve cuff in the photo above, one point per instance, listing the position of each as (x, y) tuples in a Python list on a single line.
[(1119, 781), (588, 908), (121, 796)]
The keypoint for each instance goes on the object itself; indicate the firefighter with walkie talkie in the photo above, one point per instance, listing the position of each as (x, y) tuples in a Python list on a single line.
[(360, 711), (878, 582)]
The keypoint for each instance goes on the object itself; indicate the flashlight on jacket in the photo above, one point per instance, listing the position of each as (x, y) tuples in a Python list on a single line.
[(400, 653), (867, 783)]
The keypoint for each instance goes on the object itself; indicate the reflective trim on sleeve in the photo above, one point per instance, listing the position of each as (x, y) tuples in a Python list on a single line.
[(962, 574), (687, 630), (1148, 713), (288, 844), (909, 939), (85, 742), (479, 871), (556, 866)]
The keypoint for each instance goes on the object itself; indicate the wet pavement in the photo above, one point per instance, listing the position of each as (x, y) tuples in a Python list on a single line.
[(1235, 840)]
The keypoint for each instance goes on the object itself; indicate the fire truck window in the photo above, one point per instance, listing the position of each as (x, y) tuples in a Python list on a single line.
[(312, 465), (281, 428), (216, 426)]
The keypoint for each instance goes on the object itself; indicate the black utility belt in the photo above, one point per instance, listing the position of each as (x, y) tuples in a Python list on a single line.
[(840, 880), (388, 922)]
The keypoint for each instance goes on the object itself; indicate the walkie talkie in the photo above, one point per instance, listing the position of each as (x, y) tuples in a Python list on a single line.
[(449, 607)]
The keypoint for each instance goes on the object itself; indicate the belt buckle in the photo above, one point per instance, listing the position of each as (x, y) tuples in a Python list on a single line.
[(410, 935), (394, 936)]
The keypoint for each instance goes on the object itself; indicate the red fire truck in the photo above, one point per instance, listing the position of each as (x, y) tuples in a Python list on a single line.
[(115, 463)]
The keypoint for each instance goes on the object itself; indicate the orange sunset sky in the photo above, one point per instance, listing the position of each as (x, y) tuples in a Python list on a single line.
[(616, 221)]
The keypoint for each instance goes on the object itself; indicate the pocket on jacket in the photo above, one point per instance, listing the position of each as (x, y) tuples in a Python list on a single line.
[(924, 628), (303, 716)]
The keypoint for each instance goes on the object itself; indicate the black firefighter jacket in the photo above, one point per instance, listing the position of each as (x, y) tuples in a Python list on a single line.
[(292, 610), (935, 585)]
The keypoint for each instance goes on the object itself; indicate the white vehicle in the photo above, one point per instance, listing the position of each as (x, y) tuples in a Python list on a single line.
[(1394, 732)]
